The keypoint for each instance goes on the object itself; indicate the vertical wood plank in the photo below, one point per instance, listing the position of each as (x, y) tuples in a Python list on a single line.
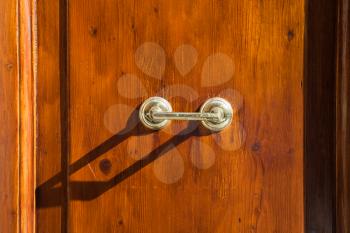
[(9, 117), (52, 138), (343, 119), (27, 118), (320, 116), (17, 117)]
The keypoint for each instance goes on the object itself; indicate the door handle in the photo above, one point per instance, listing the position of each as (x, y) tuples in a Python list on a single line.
[(215, 114)]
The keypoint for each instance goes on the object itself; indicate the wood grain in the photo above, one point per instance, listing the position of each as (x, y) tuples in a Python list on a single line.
[(8, 118), (343, 119), (85, 46), (17, 105), (320, 116), (54, 140), (27, 120), (52, 122)]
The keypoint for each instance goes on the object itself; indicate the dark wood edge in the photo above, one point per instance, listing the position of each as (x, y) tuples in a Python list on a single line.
[(27, 118), (64, 111), (327, 118), (320, 116), (343, 118)]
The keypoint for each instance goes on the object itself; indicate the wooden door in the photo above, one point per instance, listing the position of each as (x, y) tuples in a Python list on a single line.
[(75, 158), (99, 170)]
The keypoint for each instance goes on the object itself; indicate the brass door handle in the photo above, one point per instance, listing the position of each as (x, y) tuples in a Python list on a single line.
[(215, 114)]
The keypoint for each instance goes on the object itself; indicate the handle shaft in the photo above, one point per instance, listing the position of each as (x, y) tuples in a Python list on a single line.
[(185, 116)]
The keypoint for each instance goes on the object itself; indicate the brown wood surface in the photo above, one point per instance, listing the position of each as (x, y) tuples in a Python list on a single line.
[(320, 116), (87, 180), (51, 154), (343, 119), (27, 115), (17, 117), (8, 118), (84, 47)]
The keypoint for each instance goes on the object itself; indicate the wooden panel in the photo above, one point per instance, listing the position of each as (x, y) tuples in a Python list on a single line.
[(17, 117), (27, 116), (52, 124), (343, 119), (320, 116), (8, 118), (258, 187)]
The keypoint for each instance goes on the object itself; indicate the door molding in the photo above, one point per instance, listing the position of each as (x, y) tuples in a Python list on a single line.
[(320, 115), (327, 117), (327, 162), (343, 118), (27, 64), (17, 115)]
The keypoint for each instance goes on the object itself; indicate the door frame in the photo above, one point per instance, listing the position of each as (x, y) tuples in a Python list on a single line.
[(327, 117)]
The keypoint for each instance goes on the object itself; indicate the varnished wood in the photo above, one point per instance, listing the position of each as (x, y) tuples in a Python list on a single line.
[(27, 120), (52, 107), (343, 119), (17, 103), (256, 188), (320, 116), (87, 181), (8, 118)]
